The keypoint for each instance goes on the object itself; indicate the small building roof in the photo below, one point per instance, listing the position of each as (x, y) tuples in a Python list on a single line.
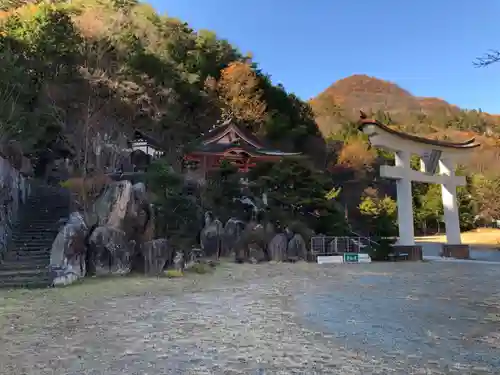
[(219, 148), (209, 143), (139, 134), (220, 131)]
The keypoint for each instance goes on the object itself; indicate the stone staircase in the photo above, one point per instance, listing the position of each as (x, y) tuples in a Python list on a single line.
[(25, 264)]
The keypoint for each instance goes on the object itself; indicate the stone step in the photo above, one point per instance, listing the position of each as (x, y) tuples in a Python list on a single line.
[(33, 238), (46, 203), (9, 274), (29, 252), (33, 241), (28, 233), (39, 220), (50, 226), (27, 247), (35, 213), (39, 215), (27, 257), (20, 252), (29, 283), (49, 230), (38, 223), (26, 263), (24, 278), (34, 231), (32, 264)]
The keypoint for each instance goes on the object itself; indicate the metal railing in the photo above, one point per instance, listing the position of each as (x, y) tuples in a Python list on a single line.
[(327, 245)]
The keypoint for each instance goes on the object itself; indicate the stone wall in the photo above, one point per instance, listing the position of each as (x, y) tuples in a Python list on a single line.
[(14, 189)]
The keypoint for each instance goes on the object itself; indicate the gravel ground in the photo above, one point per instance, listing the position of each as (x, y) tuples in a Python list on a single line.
[(405, 318)]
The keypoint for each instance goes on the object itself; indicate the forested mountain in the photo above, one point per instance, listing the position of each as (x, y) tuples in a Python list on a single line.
[(80, 68), (82, 72), (337, 109)]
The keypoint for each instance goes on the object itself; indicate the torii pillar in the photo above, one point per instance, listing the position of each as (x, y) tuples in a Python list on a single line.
[(438, 160)]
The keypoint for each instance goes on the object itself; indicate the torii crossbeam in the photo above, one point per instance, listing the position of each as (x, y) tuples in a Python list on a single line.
[(435, 156)]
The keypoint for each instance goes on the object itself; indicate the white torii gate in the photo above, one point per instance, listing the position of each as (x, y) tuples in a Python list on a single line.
[(435, 156)]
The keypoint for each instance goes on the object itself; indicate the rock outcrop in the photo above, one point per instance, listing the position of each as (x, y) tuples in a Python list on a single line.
[(68, 253), (117, 238), (260, 242), (297, 248), (110, 251), (278, 248), (14, 190), (123, 221), (154, 256), (231, 236), (211, 235), (253, 244)]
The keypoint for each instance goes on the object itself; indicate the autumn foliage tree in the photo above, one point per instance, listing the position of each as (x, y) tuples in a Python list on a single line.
[(357, 155), (240, 95)]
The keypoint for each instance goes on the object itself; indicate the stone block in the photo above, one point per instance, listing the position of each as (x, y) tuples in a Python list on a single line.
[(410, 253), (456, 251)]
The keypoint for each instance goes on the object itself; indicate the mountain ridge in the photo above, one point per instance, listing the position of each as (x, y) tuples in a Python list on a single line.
[(346, 97), (357, 84)]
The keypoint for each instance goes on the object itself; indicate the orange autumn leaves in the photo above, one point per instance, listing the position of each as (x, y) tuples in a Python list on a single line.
[(28, 9), (25, 9), (357, 155), (239, 92), (32, 8)]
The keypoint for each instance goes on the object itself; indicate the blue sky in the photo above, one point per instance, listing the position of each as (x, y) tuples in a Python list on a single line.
[(425, 46)]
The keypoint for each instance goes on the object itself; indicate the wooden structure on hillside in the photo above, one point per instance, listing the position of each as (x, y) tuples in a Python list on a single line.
[(234, 144), (145, 149)]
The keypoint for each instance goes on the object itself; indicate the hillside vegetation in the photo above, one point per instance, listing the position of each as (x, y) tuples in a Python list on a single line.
[(84, 68), (337, 108), (82, 73)]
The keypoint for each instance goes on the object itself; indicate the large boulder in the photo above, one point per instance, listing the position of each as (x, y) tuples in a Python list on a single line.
[(278, 247), (112, 206), (125, 207), (67, 256), (211, 235), (297, 249), (231, 235), (179, 261), (139, 219), (110, 252), (154, 256), (13, 152), (252, 246)]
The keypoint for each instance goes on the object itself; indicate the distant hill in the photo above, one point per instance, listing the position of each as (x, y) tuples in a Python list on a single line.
[(344, 98), (340, 104)]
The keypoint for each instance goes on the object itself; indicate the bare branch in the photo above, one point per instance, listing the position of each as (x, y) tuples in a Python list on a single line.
[(491, 57)]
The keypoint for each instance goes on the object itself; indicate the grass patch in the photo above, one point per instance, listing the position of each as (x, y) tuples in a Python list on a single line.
[(482, 237), (171, 274), (200, 268)]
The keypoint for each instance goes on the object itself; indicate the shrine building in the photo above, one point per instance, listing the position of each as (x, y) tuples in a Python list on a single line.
[(232, 143)]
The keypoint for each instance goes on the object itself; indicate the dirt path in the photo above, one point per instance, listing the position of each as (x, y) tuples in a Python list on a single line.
[(263, 319)]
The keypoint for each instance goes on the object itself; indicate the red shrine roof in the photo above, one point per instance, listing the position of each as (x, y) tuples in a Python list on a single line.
[(230, 136), (228, 128), (468, 144)]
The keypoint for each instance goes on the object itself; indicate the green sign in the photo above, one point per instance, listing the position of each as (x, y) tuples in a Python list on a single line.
[(351, 258)]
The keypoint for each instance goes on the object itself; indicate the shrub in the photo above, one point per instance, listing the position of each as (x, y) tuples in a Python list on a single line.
[(381, 250), (173, 274), (200, 268)]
